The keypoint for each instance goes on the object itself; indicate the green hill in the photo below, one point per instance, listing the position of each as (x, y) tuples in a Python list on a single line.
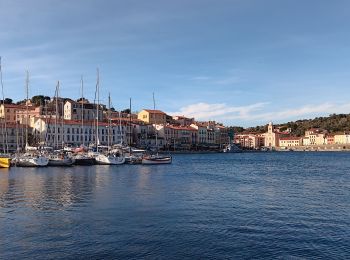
[(332, 123)]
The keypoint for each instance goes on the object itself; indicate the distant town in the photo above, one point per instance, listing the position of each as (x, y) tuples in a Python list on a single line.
[(59, 122)]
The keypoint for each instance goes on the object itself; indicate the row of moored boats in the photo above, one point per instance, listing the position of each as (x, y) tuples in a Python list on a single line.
[(68, 158)]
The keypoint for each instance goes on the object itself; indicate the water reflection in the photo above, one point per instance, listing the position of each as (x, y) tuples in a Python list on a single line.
[(50, 188)]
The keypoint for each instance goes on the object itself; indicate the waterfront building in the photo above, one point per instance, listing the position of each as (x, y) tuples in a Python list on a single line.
[(178, 137), (143, 134), (33, 112), (13, 137), (285, 142), (330, 139), (316, 136), (202, 136), (249, 140), (221, 135), (152, 116), (306, 140), (183, 121), (73, 110), (343, 138), (9, 111), (71, 132)]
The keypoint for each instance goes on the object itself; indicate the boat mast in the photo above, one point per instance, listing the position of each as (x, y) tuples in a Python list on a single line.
[(154, 108), (5, 144), (82, 110), (62, 122), (98, 97), (130, 126), (109, 120), (56, 127), (27, 86)]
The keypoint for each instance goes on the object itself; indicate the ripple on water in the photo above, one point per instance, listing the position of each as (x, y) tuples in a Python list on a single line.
[(267, 205)]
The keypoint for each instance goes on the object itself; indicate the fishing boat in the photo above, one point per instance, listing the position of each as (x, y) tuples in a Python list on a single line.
[(157, 159)]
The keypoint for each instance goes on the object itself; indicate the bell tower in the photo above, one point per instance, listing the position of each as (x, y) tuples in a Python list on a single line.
[(270, 128)]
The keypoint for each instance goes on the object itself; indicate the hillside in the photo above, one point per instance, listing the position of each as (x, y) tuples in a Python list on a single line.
[(332, 123)]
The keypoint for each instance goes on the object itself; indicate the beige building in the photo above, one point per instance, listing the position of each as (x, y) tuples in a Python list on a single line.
[(9, 111), (180, 137), (152, 116), (74, 110), (250, 140), (342, 138), (314, 136), (285, 142), (202, 136)]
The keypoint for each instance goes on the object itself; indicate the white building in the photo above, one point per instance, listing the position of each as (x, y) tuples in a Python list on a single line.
[(52, 135)]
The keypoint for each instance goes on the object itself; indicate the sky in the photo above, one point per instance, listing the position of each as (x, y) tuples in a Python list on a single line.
[(239, 62)]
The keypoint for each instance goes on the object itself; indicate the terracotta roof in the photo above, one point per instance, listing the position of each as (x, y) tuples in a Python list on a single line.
[(154, 111), (15, 106)]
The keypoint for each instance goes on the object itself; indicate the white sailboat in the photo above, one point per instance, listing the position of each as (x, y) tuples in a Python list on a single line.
[(105, 158), (81, 157), (156, 158), (29, 159)]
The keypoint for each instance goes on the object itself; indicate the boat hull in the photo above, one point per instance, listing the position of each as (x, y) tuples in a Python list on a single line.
[(31, 162), (154, 161), (109, 160), (85, 161), (5, 162), (60, 162)]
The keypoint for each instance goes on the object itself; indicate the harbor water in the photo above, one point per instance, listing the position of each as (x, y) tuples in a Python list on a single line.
[(287, 205)]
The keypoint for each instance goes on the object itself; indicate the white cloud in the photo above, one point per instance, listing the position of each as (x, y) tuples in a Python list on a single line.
[(205, 111), (258, 112)]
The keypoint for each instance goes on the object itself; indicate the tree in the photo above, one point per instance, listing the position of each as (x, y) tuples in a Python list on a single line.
[(126, 111), (84, 99), (7, 101), (39, 100)]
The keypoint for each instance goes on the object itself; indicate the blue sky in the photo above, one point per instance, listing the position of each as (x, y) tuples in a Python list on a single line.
[(241, 62)]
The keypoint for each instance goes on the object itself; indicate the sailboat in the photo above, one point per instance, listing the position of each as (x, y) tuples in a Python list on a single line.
[(5, 160), (59, 158), (105, 158), (81, 158), (156, 158), (30, 158)]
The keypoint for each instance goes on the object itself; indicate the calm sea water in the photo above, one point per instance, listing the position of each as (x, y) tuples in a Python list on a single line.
[(250, 205)]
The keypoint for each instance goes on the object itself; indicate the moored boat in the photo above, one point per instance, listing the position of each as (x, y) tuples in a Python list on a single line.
[(5, 162), (30, 160), (109, 159), (156, 159), (82, 159), (60, 160)]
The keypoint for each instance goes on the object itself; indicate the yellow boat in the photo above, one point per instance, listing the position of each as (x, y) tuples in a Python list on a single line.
[(5, 162)]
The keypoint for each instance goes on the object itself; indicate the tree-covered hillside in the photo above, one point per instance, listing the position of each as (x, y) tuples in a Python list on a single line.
[(332, 123)]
